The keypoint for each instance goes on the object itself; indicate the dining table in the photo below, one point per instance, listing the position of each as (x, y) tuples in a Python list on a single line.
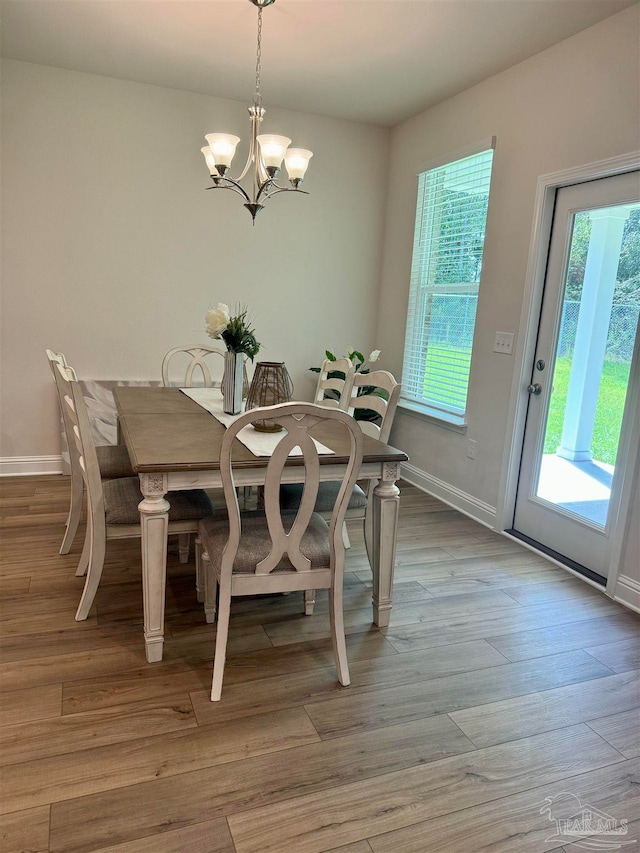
[(174, 444)]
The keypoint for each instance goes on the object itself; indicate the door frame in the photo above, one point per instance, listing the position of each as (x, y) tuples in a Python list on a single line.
[(546, 189)]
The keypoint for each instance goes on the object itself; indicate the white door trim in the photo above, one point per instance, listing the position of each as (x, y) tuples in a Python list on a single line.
[(629, 475), (546, 189)]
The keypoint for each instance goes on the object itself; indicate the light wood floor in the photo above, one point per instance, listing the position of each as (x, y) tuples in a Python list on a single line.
[(501, 682)]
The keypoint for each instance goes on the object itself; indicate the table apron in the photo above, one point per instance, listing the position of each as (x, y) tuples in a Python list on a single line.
[(180, 480)]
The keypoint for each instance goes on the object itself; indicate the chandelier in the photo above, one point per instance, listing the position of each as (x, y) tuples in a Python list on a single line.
[(266, 151)]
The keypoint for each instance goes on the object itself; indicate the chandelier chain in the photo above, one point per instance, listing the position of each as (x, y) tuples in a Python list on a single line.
[(258, 97)]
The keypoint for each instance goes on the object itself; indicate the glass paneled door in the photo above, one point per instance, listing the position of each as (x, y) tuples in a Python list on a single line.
[(576, 439)]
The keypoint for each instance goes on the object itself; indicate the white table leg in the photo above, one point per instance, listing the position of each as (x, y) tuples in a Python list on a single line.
[(385, 503), (154, 521)]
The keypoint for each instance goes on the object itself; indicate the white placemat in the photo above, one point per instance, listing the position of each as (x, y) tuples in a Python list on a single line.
[(259, 443)]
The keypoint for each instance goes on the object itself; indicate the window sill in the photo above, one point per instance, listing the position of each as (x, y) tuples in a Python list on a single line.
[(433, 416)]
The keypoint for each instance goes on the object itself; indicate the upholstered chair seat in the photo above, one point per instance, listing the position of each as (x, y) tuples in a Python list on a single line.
[(291, 494), (122, 496), (113, 461), (255, 542)]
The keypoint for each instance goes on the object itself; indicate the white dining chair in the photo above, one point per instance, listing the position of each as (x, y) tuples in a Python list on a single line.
[(380, 400), (333, 391), (113, 504), (113, 459), (196, 364), (262, 553), (379, 392), (381, 395)]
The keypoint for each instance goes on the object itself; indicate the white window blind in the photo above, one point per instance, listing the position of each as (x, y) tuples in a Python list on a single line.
[(448, 243)]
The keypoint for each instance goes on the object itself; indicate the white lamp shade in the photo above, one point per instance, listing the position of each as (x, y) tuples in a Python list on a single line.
[(297, 161), (223, 147), (211, 160), (273, 149)]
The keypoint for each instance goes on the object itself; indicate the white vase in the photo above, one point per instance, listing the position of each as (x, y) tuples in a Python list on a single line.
[(232, 383)]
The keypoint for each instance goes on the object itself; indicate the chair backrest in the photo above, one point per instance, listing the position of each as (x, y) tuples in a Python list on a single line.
[(298, 419), (59, 358), (62, 374), (373, 383), (82, 438), (197, 355), (56, 358), (339, 388)]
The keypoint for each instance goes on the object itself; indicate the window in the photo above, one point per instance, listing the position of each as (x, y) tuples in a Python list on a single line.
[(445, 275)]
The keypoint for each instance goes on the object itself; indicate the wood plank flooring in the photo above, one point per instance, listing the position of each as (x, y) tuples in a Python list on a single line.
[(503, 697)]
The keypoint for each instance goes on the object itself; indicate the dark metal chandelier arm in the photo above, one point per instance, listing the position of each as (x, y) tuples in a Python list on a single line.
[(263, 190), (231, 185), (276, 185), (284, 190)]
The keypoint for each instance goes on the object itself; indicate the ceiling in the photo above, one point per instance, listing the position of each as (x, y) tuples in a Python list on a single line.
[(379, 61)]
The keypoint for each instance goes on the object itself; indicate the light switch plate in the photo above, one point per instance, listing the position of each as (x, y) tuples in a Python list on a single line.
[(503, 342)]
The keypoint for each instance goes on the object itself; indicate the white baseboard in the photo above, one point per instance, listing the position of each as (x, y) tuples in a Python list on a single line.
[(468, 505), (29, 466), (627, 592)]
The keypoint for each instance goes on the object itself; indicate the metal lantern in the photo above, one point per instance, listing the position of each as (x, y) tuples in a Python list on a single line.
[(271, 385)]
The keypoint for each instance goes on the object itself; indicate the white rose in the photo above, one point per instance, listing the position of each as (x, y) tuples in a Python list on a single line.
[(217, 320)]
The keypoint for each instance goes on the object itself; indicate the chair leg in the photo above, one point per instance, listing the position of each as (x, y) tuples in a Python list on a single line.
[(345, 536), (221, 640), (184, 540), (85, 557), (210, 588), (199, 572), (338, 640), (75, 511), (98, 544), (309, 601)]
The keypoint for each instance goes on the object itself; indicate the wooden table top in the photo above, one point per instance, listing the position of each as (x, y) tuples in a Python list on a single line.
[(164, 430)]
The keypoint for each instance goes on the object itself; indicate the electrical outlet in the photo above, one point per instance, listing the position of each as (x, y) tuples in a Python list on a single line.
[(471, 449), (503, 342)]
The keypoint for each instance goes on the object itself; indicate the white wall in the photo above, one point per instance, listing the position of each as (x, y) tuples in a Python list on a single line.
[(575, 103), (113, 251)]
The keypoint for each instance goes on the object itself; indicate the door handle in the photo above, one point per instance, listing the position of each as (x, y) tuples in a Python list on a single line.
[(534, 389)]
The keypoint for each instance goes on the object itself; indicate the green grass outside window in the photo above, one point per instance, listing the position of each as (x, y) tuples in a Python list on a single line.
[(609, 410)]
